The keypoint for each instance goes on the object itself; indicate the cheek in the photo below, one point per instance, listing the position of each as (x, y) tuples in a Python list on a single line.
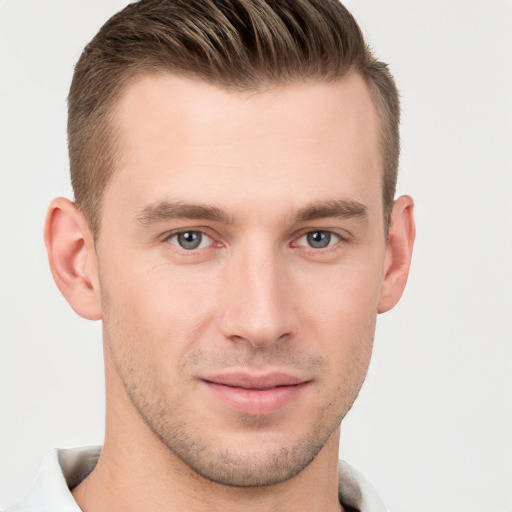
[(345, 295), (340, 315), (152, 312)]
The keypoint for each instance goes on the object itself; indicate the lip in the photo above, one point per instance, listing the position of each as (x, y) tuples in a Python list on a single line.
[(256, 394)]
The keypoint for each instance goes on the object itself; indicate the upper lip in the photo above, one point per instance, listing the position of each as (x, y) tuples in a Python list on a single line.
[(254, 381)]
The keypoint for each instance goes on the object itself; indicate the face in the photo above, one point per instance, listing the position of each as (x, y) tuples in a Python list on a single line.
[(240, 261)]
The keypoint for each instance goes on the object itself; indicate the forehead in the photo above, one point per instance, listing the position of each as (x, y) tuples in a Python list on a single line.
[(184, 137)]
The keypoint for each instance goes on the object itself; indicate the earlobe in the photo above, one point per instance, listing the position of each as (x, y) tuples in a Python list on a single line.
[(402, 232), (72, 258)]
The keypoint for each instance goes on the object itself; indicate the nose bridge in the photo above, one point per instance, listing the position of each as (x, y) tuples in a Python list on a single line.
[(256, 303)]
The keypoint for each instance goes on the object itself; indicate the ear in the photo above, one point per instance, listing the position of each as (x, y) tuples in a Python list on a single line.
[(402, 232), (72, 257)]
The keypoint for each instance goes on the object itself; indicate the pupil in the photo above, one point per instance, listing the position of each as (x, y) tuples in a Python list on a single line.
[(189, 239), (319, 239)]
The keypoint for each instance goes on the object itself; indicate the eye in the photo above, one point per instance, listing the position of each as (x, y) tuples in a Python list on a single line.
[(190, 240), (319, 239)]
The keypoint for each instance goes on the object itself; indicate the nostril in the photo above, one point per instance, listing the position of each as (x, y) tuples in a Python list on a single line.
[(259, 340)]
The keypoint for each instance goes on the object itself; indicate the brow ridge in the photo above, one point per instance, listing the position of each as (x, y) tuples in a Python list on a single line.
[(166, 210), (341, 208)]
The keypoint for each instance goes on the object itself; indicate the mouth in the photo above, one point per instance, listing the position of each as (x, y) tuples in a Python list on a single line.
[(256, 394)]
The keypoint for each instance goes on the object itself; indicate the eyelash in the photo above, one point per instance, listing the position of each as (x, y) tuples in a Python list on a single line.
[(331, 234), (176, 234)]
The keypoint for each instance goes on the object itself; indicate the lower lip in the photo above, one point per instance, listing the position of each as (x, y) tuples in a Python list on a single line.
[(256, 401)]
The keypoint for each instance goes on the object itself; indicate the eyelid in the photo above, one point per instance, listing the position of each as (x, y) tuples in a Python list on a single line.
[(166, 237), (340, 238), (306, 233)]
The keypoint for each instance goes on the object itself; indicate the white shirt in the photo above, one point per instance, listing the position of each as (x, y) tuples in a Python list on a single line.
[(64, 469)]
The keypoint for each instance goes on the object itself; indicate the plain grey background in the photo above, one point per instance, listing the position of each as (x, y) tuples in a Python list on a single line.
[(432, 428)]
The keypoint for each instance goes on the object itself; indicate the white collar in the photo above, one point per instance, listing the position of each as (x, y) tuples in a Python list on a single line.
[(63, 469)]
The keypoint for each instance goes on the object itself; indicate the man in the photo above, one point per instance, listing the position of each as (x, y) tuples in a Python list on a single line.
[(235, 229)]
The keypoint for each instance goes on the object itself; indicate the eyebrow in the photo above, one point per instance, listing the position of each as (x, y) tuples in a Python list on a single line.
[(342, 208), (165, 210)]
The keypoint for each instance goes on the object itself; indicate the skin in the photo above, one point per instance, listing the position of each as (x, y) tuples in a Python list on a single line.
[(272, 172)]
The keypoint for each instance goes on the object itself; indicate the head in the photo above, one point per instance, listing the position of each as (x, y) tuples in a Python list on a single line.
[(234, 166)]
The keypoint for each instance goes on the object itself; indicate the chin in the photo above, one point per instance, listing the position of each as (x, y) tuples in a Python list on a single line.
[(235, 468)]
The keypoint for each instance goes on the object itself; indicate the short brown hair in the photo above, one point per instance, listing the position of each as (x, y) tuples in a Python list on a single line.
[(235, 44)]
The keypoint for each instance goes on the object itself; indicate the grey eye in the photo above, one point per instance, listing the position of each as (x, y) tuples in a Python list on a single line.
[(189, 239), (318, 239)]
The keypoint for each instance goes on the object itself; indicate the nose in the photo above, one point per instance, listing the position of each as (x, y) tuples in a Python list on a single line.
[(257, 299)]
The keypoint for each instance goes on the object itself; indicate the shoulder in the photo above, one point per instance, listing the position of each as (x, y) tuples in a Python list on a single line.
[(60, 471)]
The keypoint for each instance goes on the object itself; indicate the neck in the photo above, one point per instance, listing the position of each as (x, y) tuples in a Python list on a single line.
[(136, 471)]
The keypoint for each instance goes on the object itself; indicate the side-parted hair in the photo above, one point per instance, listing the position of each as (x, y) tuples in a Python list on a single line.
[(240, 45)]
